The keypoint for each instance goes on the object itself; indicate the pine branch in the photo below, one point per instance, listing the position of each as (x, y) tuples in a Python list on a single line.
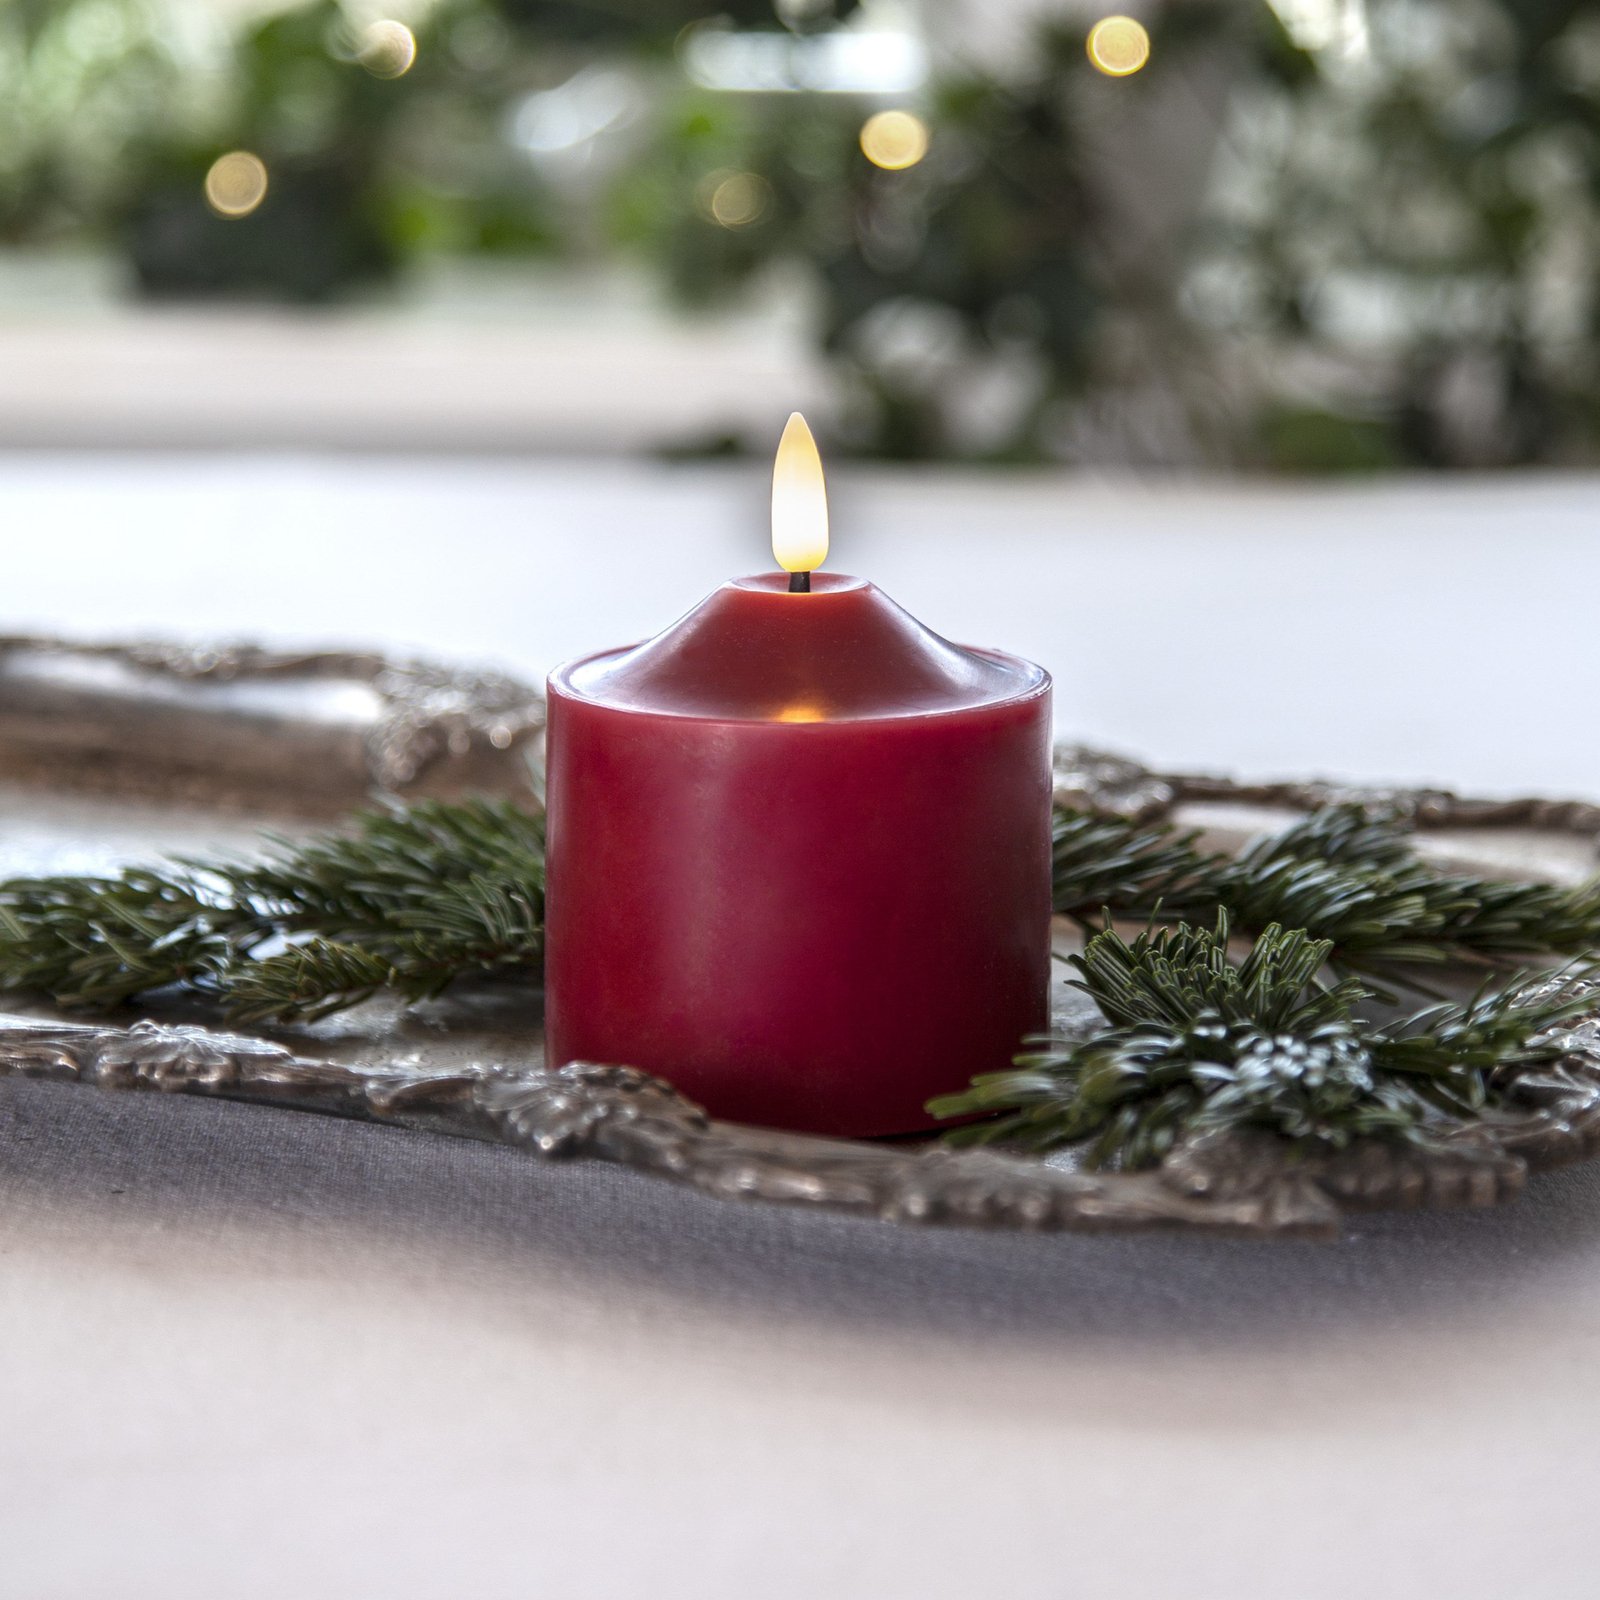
[(1172, 975), (307, 981), (1198, 1042), (1349, 880), (97, 942), (467, 877), (1495, 1037), (1511, 921), (1340, 874), (1101, 864), (1357, 881), (411, 899)]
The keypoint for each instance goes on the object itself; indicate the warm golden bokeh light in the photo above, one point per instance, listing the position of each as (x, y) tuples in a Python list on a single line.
[(1118, 46), (388, 49), (236, 184), (802, 714), (799, 500), (894, 140), (738, 198)]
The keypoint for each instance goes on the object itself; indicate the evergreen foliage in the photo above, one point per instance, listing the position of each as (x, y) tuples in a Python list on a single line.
[(1202, 1030)]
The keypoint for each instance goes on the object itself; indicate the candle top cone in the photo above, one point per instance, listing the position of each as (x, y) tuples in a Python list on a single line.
[(817, 647), (753, 651)]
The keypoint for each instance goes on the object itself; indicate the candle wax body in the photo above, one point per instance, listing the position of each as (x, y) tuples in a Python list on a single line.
[(799, 858)]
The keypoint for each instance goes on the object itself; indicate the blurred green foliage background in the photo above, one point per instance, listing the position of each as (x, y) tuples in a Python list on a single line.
[(1309, 235)]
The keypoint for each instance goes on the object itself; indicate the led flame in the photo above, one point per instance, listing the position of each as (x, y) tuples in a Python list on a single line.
[(799, 500)]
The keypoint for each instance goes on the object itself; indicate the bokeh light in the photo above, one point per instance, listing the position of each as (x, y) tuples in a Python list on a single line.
[(236, 184), (388, 49), (1118, 46), (735, 199), (894, 140)]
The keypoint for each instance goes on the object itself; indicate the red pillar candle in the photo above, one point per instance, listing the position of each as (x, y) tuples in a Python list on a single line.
[(799, 856)]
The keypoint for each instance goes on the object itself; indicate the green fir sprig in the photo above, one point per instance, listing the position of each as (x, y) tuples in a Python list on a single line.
[(1340, 874), (1101, 863), (408, 900), (1198, 1042)]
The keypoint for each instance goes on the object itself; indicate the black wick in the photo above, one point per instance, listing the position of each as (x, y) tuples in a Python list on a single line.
[(799, 583)]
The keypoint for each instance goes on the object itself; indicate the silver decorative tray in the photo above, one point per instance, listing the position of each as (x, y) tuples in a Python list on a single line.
[(119, 753)]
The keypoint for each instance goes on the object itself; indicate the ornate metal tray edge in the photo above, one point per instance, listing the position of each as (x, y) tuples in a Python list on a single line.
[(609, 1113), (235, 724), (617, 1114)]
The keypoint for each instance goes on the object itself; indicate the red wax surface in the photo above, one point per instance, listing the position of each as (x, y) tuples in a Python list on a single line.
[(799, 858)]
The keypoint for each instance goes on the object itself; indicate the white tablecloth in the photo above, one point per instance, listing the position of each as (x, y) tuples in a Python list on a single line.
[(246, 1353)]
